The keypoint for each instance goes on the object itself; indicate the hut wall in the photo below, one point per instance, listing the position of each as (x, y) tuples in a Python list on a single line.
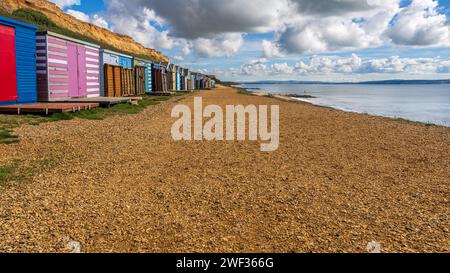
[(165, 76), (147, 74), (126, 62), (187, 79), (156, 79), (148, 78), (139, 78), (113, 80), (128, 83), (193, 82), (159, 78), (17, 62), (171, 78), (178, 79)]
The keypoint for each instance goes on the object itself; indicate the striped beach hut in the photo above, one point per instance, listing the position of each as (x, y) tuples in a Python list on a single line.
[(178, 72), (147, 65), (67, 68), (17, 62)]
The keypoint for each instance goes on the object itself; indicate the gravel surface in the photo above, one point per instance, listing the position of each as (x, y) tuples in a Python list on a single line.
[(338, 181)]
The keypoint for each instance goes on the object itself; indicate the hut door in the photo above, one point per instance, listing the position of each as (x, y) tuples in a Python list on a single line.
[(8, 78), (77, 70), (73, 69), (82, 72)]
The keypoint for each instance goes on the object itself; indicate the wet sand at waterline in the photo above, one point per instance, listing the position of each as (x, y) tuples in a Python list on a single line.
[(337, 182)]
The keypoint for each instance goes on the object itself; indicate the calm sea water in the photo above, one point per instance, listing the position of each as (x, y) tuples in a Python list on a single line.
[(424, 103)]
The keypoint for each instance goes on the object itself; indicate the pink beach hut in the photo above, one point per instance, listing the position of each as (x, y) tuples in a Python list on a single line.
[(66, 68)]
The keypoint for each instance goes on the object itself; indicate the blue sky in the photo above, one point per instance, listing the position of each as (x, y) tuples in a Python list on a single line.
[(328, 40)]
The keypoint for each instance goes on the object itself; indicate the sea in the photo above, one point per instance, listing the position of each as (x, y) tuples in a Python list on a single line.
[(427, 103)]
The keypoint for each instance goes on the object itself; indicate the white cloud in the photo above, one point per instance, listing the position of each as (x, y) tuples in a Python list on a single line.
[(193, 19), (210, 28), (214, 28), (326, 65), (444, 67), (140, 24), (94, 19), (186, 49), (66, 3), (79, 15), (178, 58), (99, 21), (337, 25), (254, 67), (222, 45), (281, 68), (271, 50), (420, 24)]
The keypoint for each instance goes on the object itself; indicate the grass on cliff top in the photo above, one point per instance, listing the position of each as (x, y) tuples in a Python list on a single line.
[(39, 19)]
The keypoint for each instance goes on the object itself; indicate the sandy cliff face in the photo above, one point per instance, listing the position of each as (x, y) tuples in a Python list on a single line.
[(118, 41)]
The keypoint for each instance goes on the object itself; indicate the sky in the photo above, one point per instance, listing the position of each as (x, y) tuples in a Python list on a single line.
[(251, 40)]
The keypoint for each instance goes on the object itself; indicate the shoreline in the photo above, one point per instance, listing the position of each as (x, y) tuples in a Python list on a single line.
[(304, 100)]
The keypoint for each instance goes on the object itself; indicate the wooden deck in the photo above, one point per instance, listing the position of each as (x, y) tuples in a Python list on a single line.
[(46, 108), (102, 101)]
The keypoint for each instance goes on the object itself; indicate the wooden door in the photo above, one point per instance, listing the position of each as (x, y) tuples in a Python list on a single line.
[(8, 76)]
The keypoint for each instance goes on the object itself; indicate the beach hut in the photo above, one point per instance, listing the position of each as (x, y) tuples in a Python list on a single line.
[(182, 77), (168, 73), (193, 80), (159, 78), (203, 82), (198, 81), (112, 65), (174, 77), (171, 76), (168, 77), (186, 80), (146, 65), (67, 68), (156, 78), (178, 78), (17, 62), (212, 81)]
